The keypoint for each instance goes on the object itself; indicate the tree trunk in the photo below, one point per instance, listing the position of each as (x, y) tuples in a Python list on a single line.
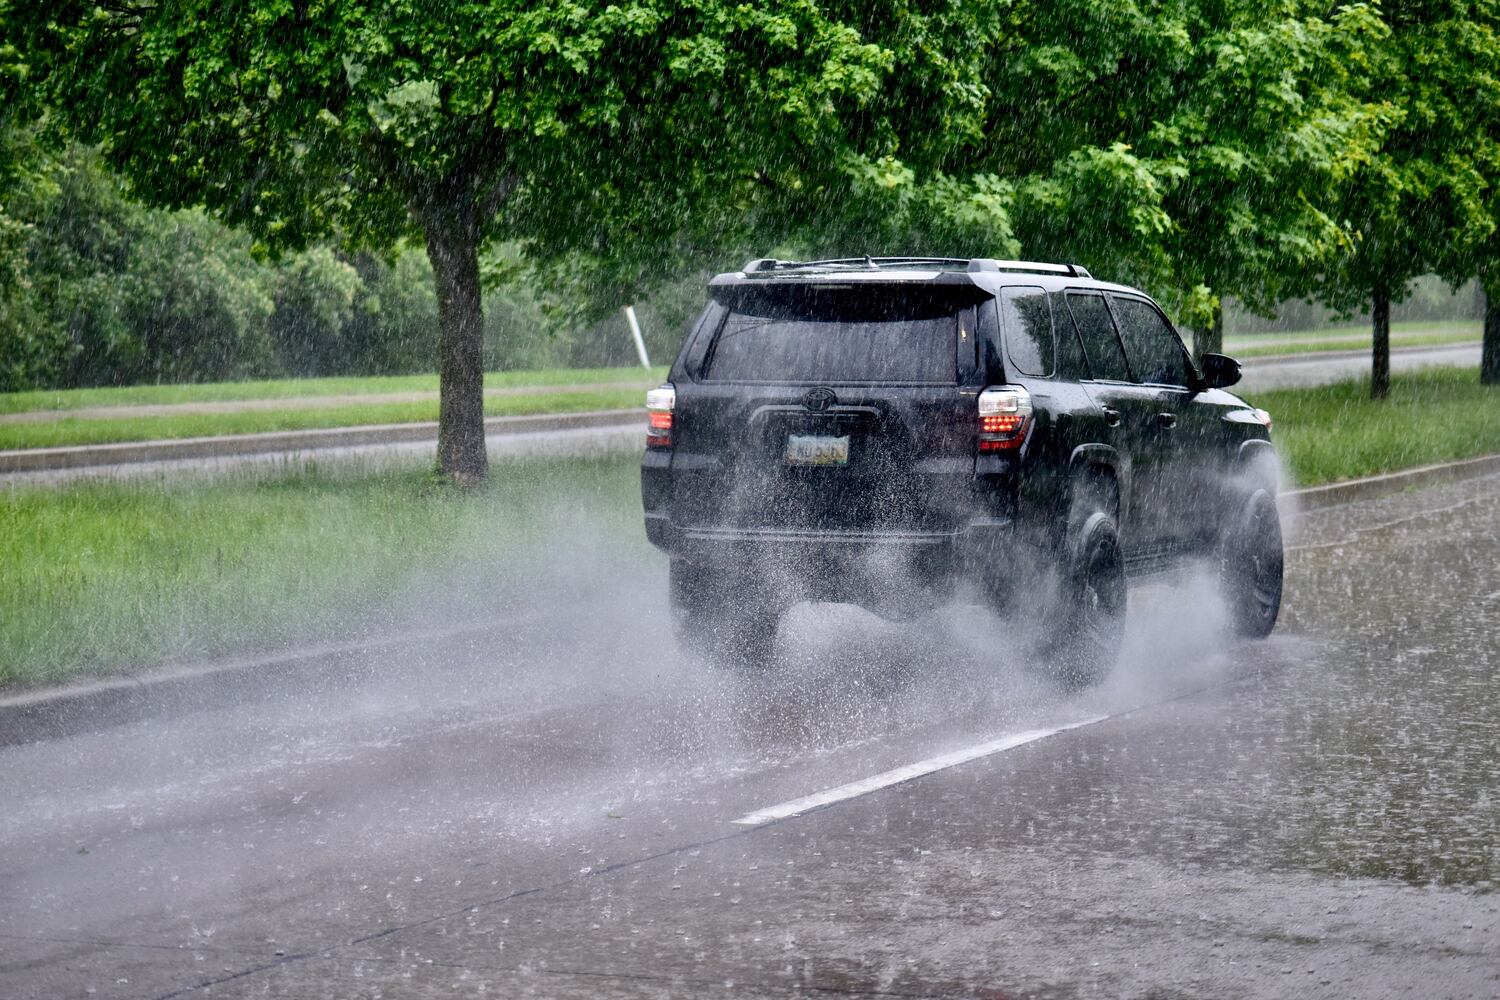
[(1209, 339), (453, 249), (1489, 362), (1380, 369)]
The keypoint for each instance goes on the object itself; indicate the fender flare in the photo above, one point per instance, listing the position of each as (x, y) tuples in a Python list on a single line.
[(1244, 515), (1257, 460), (1087, 457)]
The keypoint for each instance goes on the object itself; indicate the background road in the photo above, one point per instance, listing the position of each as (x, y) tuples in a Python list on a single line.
[(1294, 371), (550, 809)]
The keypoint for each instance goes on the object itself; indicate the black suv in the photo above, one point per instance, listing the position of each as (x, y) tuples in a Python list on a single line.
[(899, 432)]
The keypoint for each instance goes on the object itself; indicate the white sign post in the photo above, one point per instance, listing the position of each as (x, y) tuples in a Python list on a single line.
[(635, 332)]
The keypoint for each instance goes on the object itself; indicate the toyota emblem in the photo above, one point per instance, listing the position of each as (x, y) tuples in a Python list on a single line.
[(819, 399)]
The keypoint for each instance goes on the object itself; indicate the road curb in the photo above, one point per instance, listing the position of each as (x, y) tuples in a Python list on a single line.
[(1316, 497), (52, 713), (79, 456)]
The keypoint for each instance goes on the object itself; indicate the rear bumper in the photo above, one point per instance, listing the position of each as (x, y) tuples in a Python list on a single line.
[(981, 538), (973, 510), (875, 569)]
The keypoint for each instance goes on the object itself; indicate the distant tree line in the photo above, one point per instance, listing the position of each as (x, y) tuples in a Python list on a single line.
[(100, 290), (1430, 299), (1203, 149)]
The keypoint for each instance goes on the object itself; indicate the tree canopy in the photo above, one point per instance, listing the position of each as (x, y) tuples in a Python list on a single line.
[(1419, 203), (1200, 148), (380, 120)]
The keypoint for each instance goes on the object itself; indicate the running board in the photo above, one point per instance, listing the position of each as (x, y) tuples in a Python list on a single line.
[(1143, 565)]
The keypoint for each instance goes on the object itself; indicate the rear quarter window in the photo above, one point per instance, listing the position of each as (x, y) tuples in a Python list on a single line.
[(1026, 322)]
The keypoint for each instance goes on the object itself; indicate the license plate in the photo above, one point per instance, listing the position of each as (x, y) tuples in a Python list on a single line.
[(817, 449)]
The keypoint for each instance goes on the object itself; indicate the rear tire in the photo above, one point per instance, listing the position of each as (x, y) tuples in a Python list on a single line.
[(718, 615), (1088, 620), (1251, 563)]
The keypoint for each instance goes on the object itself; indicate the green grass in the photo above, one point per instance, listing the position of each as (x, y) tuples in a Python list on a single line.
[(1337, 432), (105, 576), (66, 430), (1349, 338), (210, 392), (100, 577)]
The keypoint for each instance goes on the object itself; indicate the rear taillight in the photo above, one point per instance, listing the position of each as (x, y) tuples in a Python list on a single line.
[(1004, 417), (660, 403)]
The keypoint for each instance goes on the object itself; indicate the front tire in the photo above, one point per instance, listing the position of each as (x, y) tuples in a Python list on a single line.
[(1251, 565)]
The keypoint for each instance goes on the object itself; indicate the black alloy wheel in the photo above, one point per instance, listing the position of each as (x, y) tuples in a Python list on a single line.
[(1251, 567)]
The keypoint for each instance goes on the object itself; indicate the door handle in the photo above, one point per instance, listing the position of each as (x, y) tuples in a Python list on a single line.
[(1167, 419), (1111, 417)]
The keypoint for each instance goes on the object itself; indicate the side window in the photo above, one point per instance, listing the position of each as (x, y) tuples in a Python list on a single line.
[(1026, 318), (1155, 353), (1097, 331), (1071, 364)]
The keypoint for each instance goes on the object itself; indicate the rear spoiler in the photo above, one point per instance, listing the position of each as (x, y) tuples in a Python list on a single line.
[(943, 286), (972, 265)]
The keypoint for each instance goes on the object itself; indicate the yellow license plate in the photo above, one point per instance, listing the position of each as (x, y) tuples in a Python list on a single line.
[(817, 449)]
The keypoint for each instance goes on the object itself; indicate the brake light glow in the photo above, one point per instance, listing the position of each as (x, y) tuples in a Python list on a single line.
[(660, 404), (1005, 424), (1004, 417)]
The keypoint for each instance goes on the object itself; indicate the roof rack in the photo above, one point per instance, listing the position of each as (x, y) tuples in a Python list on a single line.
[(862, 263), (974, 264), (988, 264)]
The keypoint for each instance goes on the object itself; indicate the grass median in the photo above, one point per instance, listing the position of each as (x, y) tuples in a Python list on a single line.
[(65, 430), (291, 388), (1335, 432), (100, 577)]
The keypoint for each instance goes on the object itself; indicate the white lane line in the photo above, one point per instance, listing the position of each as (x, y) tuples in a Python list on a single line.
[(907, 772)]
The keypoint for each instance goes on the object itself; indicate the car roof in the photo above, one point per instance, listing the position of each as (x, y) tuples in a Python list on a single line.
[(985, 273)]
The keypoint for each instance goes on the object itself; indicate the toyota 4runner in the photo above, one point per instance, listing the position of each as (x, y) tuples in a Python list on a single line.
[(900, 432)]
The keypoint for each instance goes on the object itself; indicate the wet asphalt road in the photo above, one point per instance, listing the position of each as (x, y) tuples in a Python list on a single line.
[(549, 810), (1294, 372)]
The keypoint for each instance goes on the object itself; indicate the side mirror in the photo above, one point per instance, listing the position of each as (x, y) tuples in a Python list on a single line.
[(1219, 371)]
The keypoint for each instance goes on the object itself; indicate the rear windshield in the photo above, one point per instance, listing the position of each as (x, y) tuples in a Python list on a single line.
[(821, 335)]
